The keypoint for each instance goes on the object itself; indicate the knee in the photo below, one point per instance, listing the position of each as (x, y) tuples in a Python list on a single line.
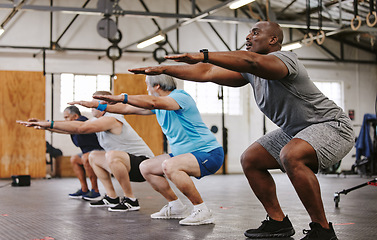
[(92, 157), (144, 169), (112, 158), (289, 160), (167, 168), (75, 159), (248, 161), (85, 160)]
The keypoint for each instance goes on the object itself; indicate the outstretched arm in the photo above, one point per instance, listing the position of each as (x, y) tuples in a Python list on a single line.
[(141, 103), (41, 125), (223, 67), (266, 66), (75, 127), (200, 72), (113, 105), (70, 127)]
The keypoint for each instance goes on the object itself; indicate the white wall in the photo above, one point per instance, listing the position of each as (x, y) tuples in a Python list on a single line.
[(359, 80)]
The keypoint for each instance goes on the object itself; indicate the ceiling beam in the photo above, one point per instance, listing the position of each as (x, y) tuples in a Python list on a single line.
[(14, 11), (157, 25), (195, 18), (70, 24), (183, 17)]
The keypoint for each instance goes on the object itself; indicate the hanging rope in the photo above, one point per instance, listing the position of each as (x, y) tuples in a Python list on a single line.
[(308, 38), (254, 15), (320, 34), (356, 16), (268, 10), (371, 12)]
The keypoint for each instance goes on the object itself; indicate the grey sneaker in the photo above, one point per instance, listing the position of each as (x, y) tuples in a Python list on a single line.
[(168, 213), (198, 217)]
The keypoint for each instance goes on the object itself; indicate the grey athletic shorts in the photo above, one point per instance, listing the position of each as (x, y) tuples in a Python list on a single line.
[(331, 141)]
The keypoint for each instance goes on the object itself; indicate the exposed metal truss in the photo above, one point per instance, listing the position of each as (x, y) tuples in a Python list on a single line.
[(334, 17)]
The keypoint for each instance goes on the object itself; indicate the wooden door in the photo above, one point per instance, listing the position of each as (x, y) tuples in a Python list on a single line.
[(22, 150), (146, 126)]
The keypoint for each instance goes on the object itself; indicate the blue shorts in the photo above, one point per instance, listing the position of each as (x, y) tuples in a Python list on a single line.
[(209, 162)]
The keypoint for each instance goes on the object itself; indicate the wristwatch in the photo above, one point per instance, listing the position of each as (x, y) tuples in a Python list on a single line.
[(205, 53)]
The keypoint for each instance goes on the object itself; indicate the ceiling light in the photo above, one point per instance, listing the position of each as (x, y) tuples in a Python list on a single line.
[(291, 46), (239, 3), (1, 31), (151, 41)]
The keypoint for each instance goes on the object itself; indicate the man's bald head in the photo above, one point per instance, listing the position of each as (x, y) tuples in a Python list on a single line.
[(264, 37)]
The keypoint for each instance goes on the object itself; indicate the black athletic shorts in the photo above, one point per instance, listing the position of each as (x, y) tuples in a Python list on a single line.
[(135, 174)]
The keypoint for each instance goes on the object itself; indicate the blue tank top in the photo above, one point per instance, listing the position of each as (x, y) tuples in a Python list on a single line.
[(86, 142)]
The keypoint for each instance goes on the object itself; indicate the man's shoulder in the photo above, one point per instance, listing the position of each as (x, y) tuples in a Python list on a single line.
[(82, 118), (114, 115), (287, 54), (178, 91)]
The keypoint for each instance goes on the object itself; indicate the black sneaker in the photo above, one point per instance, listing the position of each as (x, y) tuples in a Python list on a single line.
[(126, 205), (106, 201), (272, 229), (317, 232)]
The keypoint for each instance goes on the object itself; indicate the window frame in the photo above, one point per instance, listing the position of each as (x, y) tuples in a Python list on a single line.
[(72, 94)]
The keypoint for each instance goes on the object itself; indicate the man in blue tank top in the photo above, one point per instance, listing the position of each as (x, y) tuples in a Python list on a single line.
[(80, 162)]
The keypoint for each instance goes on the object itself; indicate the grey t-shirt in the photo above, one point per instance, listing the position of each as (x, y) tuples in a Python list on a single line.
[(294, 102), (128, 141)]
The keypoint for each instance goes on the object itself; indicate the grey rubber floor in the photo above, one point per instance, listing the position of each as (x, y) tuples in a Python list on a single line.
[(44, 211)]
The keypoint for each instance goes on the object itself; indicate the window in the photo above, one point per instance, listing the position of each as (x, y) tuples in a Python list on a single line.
[(81, 87), (206, 98), (332, 90)]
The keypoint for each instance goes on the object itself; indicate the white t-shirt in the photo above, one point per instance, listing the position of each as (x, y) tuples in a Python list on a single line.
[(128, 141)]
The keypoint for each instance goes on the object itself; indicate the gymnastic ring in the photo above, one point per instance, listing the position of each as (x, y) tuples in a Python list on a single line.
[(375, 19), (320, 37), (308, 42), (358, 25)]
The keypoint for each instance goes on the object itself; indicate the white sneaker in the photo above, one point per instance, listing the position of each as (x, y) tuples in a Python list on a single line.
[(198, 217), (168, 213)]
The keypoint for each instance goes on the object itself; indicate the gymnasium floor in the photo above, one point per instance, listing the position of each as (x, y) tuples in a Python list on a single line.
[(44, 211)]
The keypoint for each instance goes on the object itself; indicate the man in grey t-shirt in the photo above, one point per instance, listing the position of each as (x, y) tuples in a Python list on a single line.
[(314, 132)]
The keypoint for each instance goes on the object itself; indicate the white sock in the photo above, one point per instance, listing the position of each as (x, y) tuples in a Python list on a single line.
[(201, 206), (132, 199), (176, 204)]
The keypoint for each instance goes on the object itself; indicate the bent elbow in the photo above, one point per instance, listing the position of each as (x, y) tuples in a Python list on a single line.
[(153, 105)]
